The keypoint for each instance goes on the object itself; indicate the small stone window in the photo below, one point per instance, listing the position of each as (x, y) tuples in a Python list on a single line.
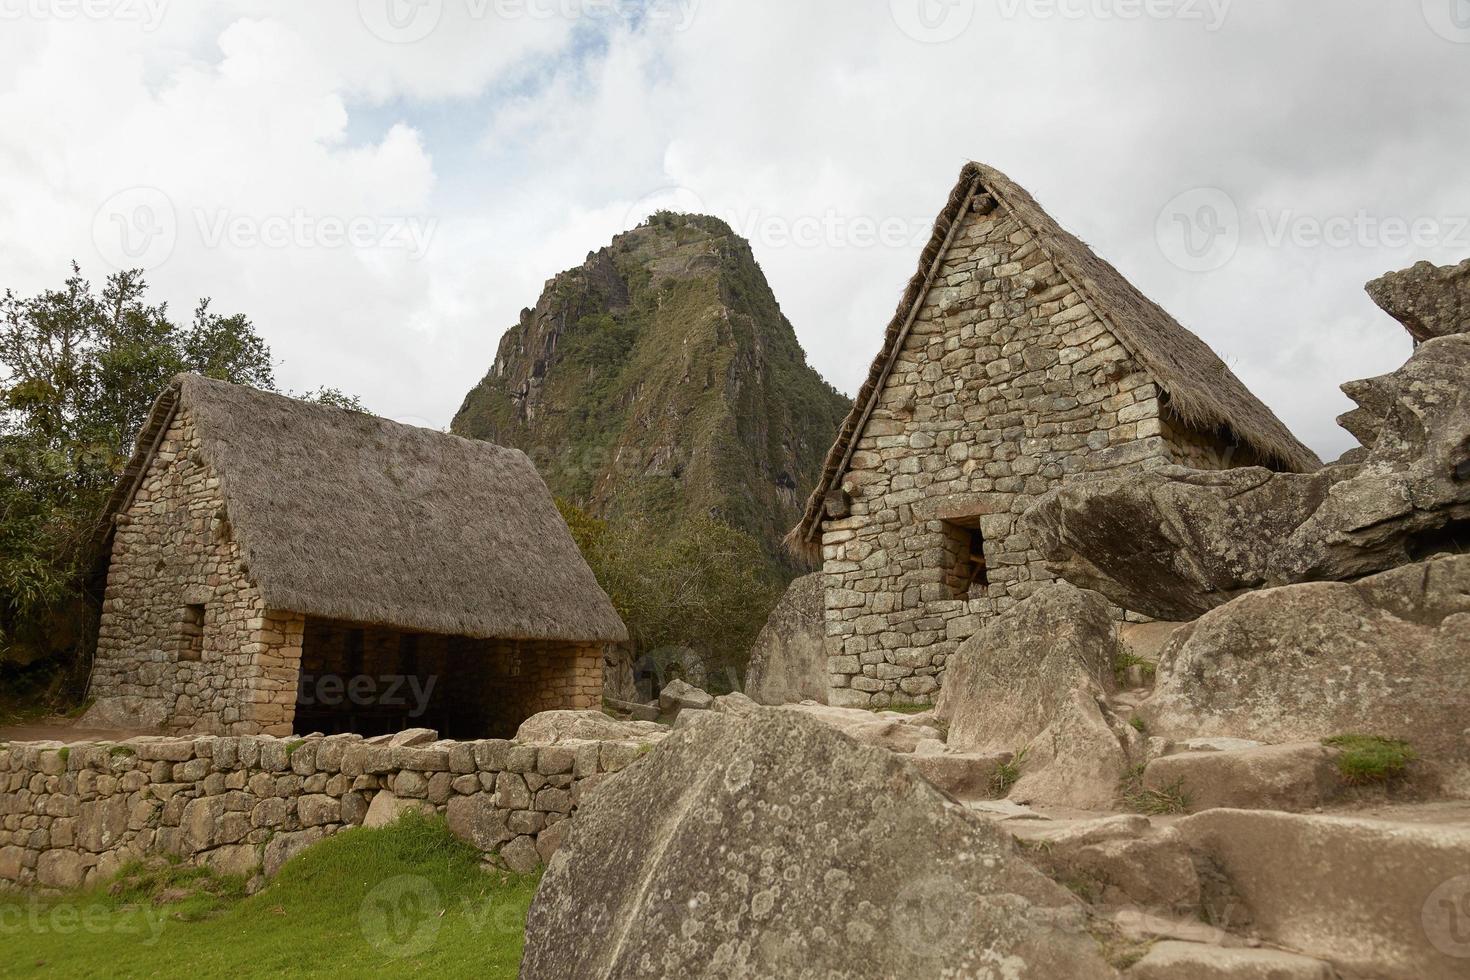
[(191, 632), (964, 556)]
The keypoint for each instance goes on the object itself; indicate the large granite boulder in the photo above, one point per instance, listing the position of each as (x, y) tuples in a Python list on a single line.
[(1388, 655), (769, 845), (788, 662), (1031, 683), (1175, 543), (1430, 301)]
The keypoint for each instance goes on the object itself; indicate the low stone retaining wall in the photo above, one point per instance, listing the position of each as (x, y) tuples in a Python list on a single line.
[(72, 815)]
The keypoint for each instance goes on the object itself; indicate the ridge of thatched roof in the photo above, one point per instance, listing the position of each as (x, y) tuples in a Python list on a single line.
[(1203, 392), (347, 516)]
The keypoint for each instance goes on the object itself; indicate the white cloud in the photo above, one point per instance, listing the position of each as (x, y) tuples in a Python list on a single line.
[(522, 137)]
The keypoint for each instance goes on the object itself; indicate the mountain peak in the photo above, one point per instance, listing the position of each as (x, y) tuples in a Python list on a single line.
[(659, 380)]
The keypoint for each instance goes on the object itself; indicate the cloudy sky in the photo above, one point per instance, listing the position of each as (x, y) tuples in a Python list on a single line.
[(383, 184)]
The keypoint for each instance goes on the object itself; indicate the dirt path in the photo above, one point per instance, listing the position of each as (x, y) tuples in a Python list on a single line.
[(63, 730)]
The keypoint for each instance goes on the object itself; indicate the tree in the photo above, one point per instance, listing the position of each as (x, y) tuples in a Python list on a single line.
[(704, 588)]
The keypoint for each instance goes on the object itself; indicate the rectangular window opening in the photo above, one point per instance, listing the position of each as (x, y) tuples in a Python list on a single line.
[(966, 573), (191, 632)]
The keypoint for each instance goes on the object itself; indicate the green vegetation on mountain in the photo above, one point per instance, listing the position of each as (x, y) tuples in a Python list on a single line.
[(660, 383)]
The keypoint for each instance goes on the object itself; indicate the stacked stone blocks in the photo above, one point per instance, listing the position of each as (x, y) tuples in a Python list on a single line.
[(72, 816), (1007, 385)]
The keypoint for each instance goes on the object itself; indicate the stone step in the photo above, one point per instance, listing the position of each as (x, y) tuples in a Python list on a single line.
[(1376, 898), (965, 776), (1172, 960), (1295, 776)]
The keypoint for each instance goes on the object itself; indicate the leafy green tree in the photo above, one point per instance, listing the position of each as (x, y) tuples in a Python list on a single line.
[(706, 588)]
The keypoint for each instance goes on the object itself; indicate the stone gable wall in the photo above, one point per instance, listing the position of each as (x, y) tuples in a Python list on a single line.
[(1007, 385), (174, 547), (72, 816)]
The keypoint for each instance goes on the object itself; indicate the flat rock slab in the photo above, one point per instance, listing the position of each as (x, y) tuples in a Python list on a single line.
[(1172, 960), (769, 845), (1295, 776), (1375, 898)]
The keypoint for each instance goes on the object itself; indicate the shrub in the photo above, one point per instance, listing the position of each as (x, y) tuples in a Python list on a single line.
[(1007, 774)]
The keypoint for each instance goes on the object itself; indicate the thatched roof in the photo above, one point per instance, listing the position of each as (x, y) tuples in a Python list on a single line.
[(1203, 392), (347, 516)]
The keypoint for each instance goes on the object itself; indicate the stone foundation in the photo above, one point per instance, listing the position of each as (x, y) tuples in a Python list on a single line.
[(71, 816)]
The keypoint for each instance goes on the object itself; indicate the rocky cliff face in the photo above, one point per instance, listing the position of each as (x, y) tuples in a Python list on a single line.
[(660, 380)]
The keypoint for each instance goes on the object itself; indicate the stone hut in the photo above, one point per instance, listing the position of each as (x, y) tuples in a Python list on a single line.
[(1018, 360), (280, 566)]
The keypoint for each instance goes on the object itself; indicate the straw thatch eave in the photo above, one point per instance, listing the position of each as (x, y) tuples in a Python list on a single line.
[(1201, 389)]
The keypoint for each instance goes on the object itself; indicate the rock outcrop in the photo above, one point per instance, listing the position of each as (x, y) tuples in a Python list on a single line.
[(788, 662), (1031, 682), (1430, 301), (770, 845), (1175, 543), (1388, 655)]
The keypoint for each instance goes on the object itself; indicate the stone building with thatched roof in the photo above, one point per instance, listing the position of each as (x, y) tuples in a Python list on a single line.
[(1018, 359), (280, 566)]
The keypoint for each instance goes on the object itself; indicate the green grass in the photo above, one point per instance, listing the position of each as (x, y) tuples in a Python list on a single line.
[(1123, 659), (1007, 774), (1171, 798), (401, 901), (905, 708), (1138, 725), (1366, 759)]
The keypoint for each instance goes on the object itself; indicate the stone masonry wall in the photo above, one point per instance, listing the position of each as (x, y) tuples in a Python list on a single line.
[(1007, 385), (235, 668), (71, 816)]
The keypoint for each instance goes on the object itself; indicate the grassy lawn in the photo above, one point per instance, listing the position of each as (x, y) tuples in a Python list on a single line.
[(396, 902)]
